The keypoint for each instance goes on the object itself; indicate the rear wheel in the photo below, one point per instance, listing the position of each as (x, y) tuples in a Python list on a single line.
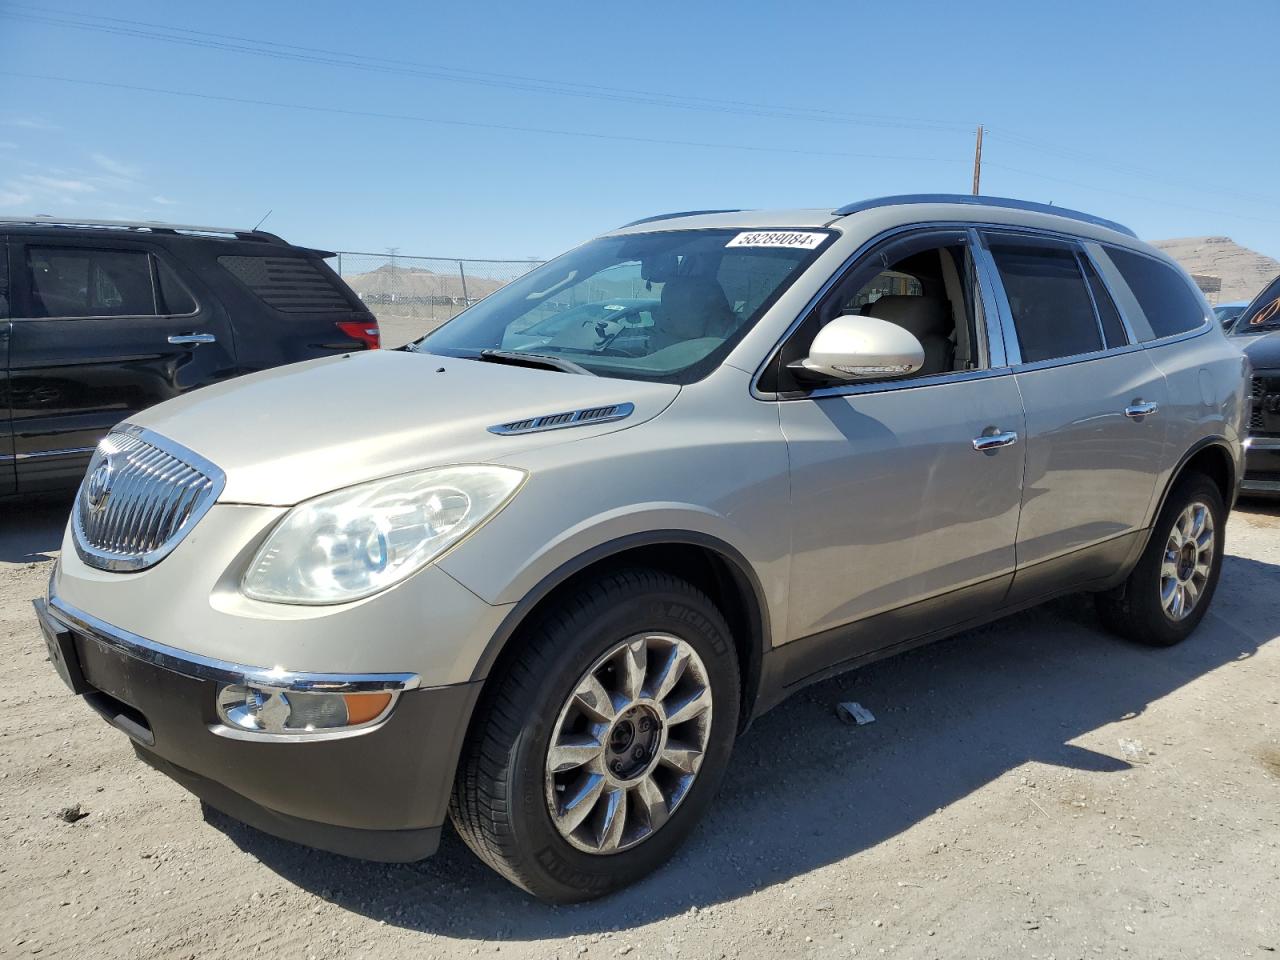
[(1168, 592), (603, 740)]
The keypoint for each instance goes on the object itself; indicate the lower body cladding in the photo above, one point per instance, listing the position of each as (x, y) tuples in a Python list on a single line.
[(378, 790), (1261, 467)]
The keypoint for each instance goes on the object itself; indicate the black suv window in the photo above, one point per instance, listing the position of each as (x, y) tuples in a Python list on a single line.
[(291, 284), (1163, 294), (77, 282), (1052, 310)]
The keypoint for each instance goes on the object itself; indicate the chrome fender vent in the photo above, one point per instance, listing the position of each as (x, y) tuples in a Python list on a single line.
[(571, 418), (141, 495)]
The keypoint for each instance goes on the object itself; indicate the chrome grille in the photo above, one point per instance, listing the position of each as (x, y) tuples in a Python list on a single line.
[(1256, 398), (141, 495)]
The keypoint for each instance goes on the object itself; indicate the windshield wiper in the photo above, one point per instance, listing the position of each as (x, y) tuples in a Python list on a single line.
[(539, 360)]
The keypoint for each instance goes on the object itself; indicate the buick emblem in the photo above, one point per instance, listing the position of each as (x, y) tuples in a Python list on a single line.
[(98, 487)]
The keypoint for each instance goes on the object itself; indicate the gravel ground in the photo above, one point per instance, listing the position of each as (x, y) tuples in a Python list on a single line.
[(1032, 789)]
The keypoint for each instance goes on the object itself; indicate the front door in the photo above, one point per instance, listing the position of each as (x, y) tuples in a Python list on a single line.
[(905, 493), (100, 331)]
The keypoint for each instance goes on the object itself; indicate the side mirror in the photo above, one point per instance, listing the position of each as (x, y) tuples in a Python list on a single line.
[(852, 348)]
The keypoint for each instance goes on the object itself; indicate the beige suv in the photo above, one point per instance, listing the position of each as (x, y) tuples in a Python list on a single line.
[(541, 575)]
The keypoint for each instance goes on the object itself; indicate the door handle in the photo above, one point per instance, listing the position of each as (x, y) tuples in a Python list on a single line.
[(192, 339), (990, 442), (1139, 409)]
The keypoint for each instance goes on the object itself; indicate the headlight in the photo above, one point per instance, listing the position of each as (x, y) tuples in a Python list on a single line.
[(355, 542)]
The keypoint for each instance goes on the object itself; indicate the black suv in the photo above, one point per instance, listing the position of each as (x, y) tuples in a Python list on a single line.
[(99, 319), (1258, 333)]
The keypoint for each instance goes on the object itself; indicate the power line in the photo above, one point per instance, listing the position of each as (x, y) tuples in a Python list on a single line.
[(1132, 196), (549, 131), (291, 52)]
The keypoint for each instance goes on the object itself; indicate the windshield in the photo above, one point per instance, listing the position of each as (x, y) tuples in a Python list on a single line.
[(655, 306), (1262, 315)]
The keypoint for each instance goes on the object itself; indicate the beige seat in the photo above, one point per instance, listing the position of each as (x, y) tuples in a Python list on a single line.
[(929, 318), (692, 308)]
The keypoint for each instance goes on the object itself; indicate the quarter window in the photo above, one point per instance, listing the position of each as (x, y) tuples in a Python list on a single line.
[(1161, 291), (1052, 311)]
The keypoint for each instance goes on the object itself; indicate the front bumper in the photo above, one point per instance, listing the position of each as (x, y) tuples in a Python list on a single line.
[(379, 793), (1261, 467)]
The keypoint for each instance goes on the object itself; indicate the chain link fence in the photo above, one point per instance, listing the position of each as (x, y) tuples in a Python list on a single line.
[(412, 296)]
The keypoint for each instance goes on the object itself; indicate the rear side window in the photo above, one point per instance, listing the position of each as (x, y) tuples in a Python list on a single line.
[(1051, 306), (1162, 292), (79, 282), (295, 285), (75, 282), (1108, 315)]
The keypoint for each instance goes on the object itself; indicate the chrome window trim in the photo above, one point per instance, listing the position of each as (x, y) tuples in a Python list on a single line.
[(37, 454), (995, 348), (103, 560), (1092, 260), (198, 667)]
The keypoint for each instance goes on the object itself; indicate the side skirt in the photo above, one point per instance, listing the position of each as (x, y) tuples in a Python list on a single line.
[(820, 656)]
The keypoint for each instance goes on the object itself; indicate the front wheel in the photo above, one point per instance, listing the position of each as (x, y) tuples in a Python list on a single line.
[(602, 741), (1168, 592)]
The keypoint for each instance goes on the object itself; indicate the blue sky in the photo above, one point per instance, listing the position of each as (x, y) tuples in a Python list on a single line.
[(1157, 114)]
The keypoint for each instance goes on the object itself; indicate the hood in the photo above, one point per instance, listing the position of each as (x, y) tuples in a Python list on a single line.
[(1263, 350), (294, 432)]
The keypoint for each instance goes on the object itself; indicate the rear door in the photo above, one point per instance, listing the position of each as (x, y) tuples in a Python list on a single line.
[(1095, 437), (8, 475), (101, 328)]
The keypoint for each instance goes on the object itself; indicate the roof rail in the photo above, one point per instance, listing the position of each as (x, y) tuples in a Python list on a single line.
[(675, 216), (151, 226), (969, 200)]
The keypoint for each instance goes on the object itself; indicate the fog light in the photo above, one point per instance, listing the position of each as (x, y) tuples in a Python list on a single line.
[(272, 710)]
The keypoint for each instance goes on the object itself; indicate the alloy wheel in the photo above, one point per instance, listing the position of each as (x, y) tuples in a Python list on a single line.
[(628, 743), (1188, 559)]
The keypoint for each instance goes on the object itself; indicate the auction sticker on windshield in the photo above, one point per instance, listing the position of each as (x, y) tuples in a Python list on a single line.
[(777, 238)]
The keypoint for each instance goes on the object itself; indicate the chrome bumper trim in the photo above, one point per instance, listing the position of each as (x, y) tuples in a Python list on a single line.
[(1262, 443), (201, 667)]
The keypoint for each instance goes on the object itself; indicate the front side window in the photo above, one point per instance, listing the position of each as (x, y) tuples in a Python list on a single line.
[(655, 306), (1050, 302), (925, 282), (1162, 293)]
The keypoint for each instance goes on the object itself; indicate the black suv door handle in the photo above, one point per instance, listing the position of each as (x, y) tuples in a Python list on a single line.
[(193, 339)]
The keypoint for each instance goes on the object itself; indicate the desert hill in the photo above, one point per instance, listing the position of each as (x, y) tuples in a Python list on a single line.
[(1243, 272)]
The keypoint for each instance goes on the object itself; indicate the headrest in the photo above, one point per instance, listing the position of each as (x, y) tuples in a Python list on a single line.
[(695, 307), (922, 316)]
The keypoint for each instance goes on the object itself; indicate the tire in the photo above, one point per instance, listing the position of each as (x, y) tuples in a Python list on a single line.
[(1142, 608), (516, 812)]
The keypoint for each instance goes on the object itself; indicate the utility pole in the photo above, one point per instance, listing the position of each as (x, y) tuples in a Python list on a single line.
[(977, 162)]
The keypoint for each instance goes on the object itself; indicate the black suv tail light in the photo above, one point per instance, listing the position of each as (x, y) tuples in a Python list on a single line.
[(366, 331)]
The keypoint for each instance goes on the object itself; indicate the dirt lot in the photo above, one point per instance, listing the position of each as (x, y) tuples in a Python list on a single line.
[(1033, 789)]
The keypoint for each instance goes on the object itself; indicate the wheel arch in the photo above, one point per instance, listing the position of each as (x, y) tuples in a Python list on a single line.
[(714, 566), (1211, 456)]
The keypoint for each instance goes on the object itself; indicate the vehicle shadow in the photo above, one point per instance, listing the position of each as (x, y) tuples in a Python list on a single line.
[(31, 530), (804, 791)]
